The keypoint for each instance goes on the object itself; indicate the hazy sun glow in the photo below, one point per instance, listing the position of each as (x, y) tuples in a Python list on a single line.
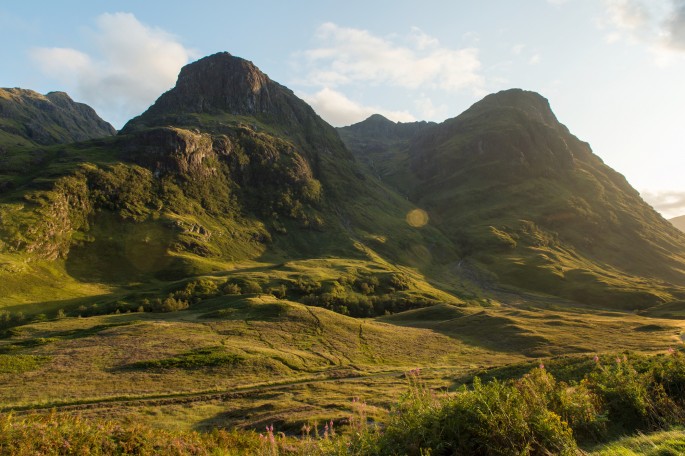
[(417, 218)]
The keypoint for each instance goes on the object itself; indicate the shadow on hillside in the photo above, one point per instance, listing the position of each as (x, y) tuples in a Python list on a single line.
[(49, 307), (478, 329)]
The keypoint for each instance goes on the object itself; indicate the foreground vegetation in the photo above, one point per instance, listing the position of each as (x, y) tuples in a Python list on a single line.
[(535, 414)]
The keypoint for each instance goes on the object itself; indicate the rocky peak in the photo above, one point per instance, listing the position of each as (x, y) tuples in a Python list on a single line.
[(513, 133), (222, 83), (211, 91), (532, 104)]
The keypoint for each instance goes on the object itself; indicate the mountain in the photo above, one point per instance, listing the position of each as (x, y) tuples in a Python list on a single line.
[(226, 243), (228, 166), (531, 204), (679, 222), (379, 138), (29, 118)]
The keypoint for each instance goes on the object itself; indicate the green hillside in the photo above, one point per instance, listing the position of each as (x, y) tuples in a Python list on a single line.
[(28, 118), (530, 205), (259, 180)]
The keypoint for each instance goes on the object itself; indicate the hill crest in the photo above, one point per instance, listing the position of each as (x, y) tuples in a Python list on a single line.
[(29, 118)]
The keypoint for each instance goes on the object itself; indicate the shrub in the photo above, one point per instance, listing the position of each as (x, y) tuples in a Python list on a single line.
[(575, 404), (304, 285), (168, 304), (251, 286), (9, 319), (400, 281), (197, 290), (492, 418), (626, 395), (231, 289)]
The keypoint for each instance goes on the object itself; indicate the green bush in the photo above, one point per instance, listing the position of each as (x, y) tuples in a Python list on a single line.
[(576, 404), (196, 359), (494, 418), (231, 289), (303, 286), (644, 398), (197, 290), (168, 304), (251, 286)]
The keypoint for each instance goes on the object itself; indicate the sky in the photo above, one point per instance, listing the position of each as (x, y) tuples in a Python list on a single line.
[(613, 70)]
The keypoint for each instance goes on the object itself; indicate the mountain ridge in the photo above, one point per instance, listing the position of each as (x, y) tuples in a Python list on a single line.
[(27, 117), (483, 177), (186, 187), (231, 166), (228, 242)]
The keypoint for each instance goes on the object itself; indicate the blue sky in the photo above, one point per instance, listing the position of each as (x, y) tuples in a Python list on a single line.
[(612, 69)]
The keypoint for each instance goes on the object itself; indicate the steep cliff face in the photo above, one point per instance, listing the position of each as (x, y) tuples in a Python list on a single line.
[(27, 116)]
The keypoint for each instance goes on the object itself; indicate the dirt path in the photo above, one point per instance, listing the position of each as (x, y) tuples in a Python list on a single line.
[(185, 398)]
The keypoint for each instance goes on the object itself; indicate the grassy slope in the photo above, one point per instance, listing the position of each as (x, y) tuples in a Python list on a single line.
[(497, 182), (276, 341), (655, 444)]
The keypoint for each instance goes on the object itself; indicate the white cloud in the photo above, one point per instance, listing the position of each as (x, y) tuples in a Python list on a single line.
[(674, 24), (669, 203), (422, 40), (349, 55), (133, 64), (339, 110), (627, 14), (534, 59), (660, 24)]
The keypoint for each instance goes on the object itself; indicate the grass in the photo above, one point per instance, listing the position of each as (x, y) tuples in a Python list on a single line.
[(532, 414), (663, 443), (19, 364), (226, 343), (197, 359)]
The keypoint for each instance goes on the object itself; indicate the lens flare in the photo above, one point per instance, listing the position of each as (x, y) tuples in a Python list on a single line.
[(417, 218)]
